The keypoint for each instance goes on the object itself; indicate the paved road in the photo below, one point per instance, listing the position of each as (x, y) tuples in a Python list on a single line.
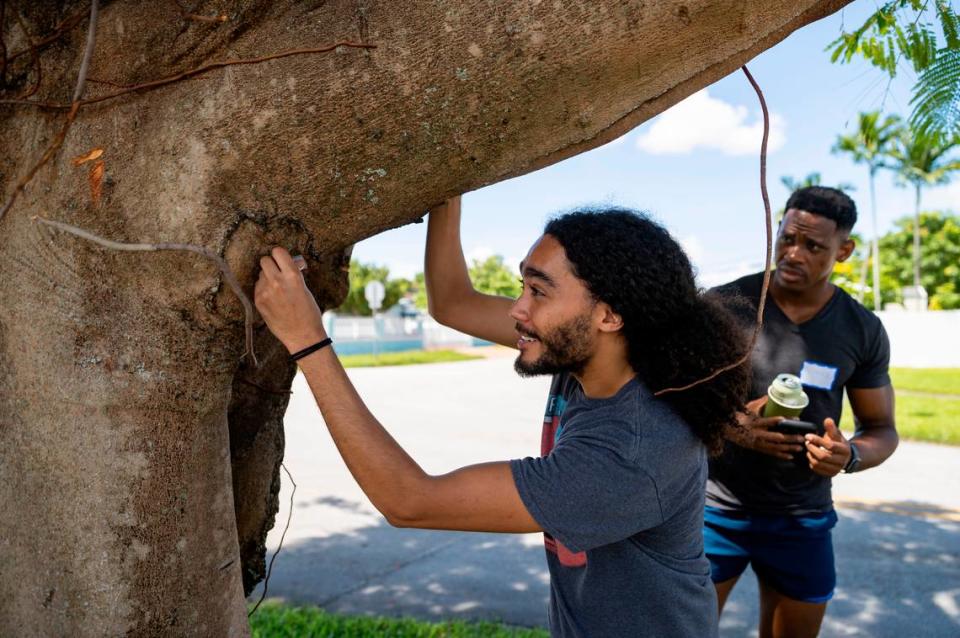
[(898, 541)]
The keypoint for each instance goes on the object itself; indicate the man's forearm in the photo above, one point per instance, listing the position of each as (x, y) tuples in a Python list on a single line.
[(389, 477), (445, 268), (875, 445)]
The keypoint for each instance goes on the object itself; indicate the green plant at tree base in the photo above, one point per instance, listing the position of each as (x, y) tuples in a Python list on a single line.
[(274, 620)]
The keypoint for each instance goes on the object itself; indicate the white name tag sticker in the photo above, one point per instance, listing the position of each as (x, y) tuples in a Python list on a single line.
[(818, 375)]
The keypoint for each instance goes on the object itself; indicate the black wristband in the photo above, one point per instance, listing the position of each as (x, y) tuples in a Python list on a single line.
[(311, 349)]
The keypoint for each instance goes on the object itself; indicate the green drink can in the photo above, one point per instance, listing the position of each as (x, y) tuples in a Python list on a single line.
[(785, 397)]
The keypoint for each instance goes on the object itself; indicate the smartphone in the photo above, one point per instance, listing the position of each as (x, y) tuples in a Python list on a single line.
[(793, 426)]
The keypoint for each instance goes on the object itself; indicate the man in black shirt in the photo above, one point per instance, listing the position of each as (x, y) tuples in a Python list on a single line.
[(768, 497)]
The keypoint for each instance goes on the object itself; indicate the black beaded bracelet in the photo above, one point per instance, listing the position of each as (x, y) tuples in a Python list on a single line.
[(311, 349)]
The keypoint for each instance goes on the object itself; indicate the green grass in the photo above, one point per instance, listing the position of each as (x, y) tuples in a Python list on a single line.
[(929, 419), (934, 419), (934, 380), (274, 620), (412, 357)]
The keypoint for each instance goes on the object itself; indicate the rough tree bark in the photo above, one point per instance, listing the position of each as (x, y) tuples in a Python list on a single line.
[(138, 455)]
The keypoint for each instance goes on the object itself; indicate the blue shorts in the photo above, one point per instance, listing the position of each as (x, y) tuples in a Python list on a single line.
[(791, 554)]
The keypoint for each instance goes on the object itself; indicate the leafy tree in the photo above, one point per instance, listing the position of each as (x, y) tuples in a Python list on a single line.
[(869, 145), (811, 179), (940, 258), (360, 275), (940, 262), (492, 277), (907, 30), (923, 160)]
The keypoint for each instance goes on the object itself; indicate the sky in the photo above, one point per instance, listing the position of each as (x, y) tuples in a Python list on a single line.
[(695, 167)]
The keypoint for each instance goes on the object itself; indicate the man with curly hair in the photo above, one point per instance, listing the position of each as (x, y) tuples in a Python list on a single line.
[(768, 498), (609, 306)]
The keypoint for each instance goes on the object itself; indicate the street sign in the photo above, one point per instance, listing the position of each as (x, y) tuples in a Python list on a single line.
[(374, 293)]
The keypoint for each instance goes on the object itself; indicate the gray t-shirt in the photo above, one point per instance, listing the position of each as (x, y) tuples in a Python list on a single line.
[(619, 493), (842, 346)]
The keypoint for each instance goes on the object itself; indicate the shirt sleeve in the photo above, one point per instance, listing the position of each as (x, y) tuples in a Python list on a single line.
[(587, 493), (874, 370)]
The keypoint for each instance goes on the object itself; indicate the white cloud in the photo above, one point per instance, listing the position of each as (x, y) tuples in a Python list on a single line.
[(701, 121)]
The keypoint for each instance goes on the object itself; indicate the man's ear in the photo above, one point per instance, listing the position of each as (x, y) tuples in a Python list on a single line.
[(610, 321), (846, 249)]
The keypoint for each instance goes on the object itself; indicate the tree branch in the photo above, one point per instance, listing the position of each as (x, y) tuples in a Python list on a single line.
[(200, 250), (154, 84)]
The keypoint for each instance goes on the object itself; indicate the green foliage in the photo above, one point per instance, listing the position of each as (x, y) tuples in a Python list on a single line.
[(936, 96), (924, 159), (939, 259), (492, 277), (413, 357), (360, 275), (906, 30), (811, 179), (489, 276), (872, 140), (282, 621)]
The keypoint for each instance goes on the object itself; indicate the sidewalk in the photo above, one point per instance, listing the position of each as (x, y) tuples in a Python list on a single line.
[(898, 544)]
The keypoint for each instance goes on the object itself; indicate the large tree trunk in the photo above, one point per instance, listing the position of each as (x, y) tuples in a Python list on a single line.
[(123, 399)]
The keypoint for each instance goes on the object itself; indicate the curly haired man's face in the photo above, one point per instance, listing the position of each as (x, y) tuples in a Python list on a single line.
[(808, 245), (554, 314)]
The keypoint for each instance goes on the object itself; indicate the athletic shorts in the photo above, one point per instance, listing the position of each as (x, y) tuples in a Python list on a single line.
[(791, 554)]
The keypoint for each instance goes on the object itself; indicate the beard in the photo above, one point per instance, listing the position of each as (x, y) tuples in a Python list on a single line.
[(567, 348)]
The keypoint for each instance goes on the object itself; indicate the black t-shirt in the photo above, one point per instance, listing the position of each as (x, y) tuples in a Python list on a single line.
[(843, 345)]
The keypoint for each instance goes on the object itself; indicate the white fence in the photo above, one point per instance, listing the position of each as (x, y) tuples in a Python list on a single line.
[(917, 339), (403, 332), (923, 339)]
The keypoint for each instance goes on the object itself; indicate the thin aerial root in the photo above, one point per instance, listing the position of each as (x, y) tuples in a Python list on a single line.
[(266, 579), (200, 250), (769, 260)]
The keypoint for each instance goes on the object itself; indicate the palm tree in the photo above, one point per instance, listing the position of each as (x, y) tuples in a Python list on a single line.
[(923, 159), (812, 179), (869, 145)]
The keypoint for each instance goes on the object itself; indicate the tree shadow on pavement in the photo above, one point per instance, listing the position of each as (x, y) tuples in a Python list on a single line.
[(898, 566), (898, 574), (383, 571)]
